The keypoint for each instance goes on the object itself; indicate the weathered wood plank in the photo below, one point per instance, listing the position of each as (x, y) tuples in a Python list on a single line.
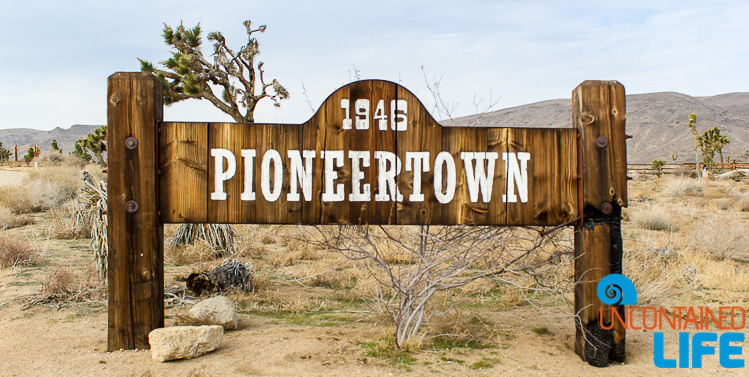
[(599, 110), (135, 270), (552, 194), (417, 148), (184, 172)]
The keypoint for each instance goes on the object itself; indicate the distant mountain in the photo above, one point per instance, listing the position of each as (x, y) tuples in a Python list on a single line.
[(657, 122), (24, 137)]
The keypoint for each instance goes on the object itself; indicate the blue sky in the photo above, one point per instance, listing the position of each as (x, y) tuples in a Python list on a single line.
[(56, 55)]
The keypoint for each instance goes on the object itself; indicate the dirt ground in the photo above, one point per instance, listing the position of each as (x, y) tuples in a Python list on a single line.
[(70, 339), (11, 176)]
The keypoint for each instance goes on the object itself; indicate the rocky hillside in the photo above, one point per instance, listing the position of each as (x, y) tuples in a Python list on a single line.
[(66, 138), (658, 122)]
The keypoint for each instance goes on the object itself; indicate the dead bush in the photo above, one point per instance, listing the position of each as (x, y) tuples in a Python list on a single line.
[(9, 220), (15, 253), (54, 158), (652, 218), (63, 223), (681, 187), (744, 203), (42, 189), (723, 238), (181, 255), (65, 285)]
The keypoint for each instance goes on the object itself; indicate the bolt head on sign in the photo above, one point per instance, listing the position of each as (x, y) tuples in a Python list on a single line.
[(131, 206)]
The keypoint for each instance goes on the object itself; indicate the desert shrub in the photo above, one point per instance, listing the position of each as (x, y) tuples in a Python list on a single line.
[(15, 253), (744, 202), (9, 220), (181, 255), (722, 238), (64, 225), (54, 158), (681, 187), (652, 218), (685, 172), (42, 189), (65, 285)]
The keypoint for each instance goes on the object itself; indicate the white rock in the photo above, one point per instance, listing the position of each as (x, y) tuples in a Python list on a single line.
[(219, 310), (184, 342)]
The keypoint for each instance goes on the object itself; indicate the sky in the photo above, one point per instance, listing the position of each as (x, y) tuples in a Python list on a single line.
[(55, 56)]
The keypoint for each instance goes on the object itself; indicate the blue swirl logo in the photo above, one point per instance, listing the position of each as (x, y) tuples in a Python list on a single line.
[(617, 289)]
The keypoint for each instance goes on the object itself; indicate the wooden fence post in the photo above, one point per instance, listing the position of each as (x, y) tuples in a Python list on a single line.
[(599, 112), (135, 268), (16, 150)]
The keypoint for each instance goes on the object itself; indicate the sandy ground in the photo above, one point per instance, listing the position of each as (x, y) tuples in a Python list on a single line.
[(12, 176)]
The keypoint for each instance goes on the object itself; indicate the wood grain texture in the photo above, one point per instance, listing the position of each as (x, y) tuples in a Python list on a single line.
[(599, 109), (135, 270), (184, 172), (592, 263), (551, 175)]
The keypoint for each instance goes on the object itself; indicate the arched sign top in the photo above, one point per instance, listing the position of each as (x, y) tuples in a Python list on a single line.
[(381, 104), (371, 154)]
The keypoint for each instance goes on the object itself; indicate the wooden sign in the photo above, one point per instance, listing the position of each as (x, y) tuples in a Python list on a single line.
[(372, 154)]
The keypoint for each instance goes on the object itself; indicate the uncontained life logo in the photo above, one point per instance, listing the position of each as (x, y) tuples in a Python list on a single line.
[(617, 289)]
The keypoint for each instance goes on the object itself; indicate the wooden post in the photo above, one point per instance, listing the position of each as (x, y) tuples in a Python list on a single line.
[(598, 111), (16, 150), (136, 268)]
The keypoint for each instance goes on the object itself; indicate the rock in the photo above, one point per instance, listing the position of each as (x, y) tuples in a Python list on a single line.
[(184, 342), (217, 310)]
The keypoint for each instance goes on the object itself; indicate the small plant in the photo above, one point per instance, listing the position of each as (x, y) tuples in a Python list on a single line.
[(657, 164), (542, 330), (681, 187), (484, 363), (722, 238), (653, 219), (18, 254)]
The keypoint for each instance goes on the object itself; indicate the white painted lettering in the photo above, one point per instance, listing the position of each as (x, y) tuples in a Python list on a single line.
[(271, 155), (477, 178), (221, 175), (420, 165), (444, 160), (359, 192), (386, 176), (516, 174), (331, 193), (301, 175), (248, 159)]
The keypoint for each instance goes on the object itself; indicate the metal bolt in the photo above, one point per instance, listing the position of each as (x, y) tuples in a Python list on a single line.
[(606, 208), (131, 143), (131, 206), (602, 141)]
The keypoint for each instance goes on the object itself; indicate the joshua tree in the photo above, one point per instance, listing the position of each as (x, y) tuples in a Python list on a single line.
[(95, 142), (4, 153), (189, 74), (696, 139), (710, 142)]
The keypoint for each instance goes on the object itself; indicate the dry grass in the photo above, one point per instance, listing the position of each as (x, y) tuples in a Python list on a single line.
[(65, 285), (9, 220), (652, 218), (63, 224), (53, 158), (722, 238), (14, 253), (42, 189), (182, 255), (681, 187), (744, 203)]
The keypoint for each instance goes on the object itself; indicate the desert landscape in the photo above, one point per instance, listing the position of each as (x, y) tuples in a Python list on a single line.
[(312, 311)]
